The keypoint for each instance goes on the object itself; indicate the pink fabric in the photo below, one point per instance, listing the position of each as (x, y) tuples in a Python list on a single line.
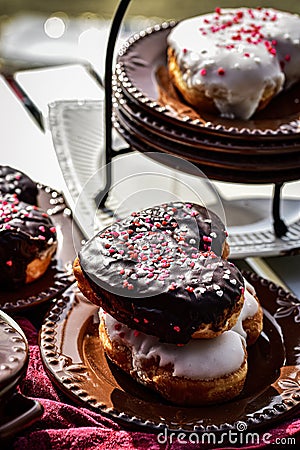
[(66, 426)]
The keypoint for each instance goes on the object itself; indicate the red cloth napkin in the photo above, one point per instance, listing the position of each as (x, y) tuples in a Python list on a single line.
[(67, 426)]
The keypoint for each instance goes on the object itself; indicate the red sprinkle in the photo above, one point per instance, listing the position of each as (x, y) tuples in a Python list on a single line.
[(287, 57), (221, 71), (203, 72), (9, 263), (218, 10), (176, 328)]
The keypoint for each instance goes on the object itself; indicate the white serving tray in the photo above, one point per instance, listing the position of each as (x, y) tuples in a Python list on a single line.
[(77, 129)]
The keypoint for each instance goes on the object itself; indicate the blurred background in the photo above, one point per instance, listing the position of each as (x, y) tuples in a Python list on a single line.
[(36, 33)]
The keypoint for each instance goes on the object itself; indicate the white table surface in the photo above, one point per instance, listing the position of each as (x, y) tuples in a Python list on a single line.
[(28, 148)]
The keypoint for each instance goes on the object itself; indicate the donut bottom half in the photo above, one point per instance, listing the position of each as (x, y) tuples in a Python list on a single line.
[(197, 98), (36, 268), (253, 325), (177, 390)]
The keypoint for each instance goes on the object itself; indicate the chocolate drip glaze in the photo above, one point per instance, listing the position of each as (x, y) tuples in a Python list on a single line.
[(13, 181), (26, 232), (155, 271)]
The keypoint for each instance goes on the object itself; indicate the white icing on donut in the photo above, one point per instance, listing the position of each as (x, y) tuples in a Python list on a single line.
[(249, 309), (198, 359), (234, 54)]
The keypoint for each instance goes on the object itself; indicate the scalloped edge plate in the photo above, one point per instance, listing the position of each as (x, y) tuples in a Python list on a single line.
[(74, 359), (272, 166), (195, 141), (137, 63), (58, 276)]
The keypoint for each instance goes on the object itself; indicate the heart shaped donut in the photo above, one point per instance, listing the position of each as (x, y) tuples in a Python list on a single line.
[(234, 61), (160, 271)]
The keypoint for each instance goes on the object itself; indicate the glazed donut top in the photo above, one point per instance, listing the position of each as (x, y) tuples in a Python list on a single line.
[(13, 181), (26, 232), (198, 359), (154, 278), (238, 52)]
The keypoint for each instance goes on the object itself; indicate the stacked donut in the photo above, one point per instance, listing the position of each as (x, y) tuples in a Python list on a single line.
[(235, 60), (28, 238), (174, 313)]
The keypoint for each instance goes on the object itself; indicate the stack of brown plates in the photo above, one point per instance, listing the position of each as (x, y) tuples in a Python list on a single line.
[(152, 117)]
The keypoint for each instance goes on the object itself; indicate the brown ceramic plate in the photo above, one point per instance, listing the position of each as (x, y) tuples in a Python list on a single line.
[(16, 411), (59, 274), (195, 141), (75, 360), (142, 73), (227, 161), (213, 166), (14, 355)]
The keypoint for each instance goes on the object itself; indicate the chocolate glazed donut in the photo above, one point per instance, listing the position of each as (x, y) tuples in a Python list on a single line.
[(14, 181), (27, 242), (155, 272)]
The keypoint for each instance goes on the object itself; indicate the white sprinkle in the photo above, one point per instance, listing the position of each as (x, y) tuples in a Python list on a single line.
[(200, 290), (220, 293), (194, 57)]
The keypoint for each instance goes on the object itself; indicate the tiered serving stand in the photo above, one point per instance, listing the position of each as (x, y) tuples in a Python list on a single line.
[(151, 116)]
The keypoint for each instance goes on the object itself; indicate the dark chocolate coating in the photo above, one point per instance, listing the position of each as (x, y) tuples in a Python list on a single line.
[(13, 181), (150, 271), (26, 232)]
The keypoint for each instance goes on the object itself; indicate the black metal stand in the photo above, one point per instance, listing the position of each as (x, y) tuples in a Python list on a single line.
[(101, 197), (280, 228)]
